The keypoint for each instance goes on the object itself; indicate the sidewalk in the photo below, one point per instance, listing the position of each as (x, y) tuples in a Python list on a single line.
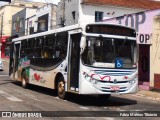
[(5, 59), (149, 94)]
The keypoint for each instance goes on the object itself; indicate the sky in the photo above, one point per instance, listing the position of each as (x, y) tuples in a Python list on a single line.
[(48, 1)]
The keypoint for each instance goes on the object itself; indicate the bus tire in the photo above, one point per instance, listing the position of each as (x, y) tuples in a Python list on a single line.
[(104, 97), (24, 79), (61, 88)]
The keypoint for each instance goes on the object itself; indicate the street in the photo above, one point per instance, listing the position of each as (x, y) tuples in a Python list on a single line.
[(15, 98)]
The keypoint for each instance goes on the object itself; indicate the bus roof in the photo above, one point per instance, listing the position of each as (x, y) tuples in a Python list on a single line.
[(68, 28), (47, 32)]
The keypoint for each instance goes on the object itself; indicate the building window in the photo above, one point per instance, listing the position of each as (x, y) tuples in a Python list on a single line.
[(30, 23), (43, 23), (74, 15), (14, 25), (98, 16), (21, 23), (31, 30)]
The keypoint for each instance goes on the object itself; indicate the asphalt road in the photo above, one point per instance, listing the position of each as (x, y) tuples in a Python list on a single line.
[(14, 98)]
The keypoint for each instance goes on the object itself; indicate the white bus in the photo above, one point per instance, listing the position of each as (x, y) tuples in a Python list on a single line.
[(94, 58)]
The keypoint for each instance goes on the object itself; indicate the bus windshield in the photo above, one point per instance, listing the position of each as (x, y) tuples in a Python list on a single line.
[(105, 52)]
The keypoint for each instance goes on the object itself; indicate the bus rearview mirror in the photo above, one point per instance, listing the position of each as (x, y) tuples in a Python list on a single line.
[(83, 44)]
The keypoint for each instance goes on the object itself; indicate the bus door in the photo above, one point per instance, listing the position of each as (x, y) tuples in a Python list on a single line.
[(11, 63), (74, 61), (16, 58)]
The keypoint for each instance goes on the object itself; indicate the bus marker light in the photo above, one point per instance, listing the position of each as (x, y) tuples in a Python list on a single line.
[(125, 77)]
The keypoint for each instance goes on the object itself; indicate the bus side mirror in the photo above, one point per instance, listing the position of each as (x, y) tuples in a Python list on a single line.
[(83, 44)]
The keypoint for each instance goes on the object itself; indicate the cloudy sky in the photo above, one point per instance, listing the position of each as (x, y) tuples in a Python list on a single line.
[(49, 1)]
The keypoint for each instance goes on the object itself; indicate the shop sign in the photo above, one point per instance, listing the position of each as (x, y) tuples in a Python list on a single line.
[(143, 22)]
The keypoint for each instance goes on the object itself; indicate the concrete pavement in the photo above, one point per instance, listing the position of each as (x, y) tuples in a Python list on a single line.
[(5, 59), (149, 94)]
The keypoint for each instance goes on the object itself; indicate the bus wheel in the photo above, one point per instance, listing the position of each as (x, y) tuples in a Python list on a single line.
[(24, 80), (61, 88), (104, 97)]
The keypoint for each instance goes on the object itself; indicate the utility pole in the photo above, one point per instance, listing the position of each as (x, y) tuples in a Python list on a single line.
[(63, 14)]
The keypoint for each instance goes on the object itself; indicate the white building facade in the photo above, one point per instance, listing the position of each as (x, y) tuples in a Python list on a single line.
[(71, 12), (45, 18)]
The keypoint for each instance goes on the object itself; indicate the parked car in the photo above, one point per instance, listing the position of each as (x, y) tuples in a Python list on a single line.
[(1, 64)]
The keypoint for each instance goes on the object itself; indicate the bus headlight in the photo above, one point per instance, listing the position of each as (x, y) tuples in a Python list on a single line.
[(94, 81), (90, 79), (132, 81)]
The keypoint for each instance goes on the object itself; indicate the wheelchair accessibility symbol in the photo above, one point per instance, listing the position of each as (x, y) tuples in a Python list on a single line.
[(119, 63)]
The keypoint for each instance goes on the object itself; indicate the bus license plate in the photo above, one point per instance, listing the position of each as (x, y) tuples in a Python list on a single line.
[(115, 88)]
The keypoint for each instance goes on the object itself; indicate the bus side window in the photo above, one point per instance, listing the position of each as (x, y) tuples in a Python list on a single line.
[(30, 51), (39, 43), (31, 43), (23, 49), (24, 44), (48, 50), (61, 45)]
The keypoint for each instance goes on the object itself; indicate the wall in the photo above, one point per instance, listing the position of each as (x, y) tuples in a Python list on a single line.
[(155, 54), (7, 18), (30, 12), (49, 9), (68, 12), (21, 15), (87, 12), (30, 22)]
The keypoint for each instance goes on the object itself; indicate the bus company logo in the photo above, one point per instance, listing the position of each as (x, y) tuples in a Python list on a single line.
[(115, 81), (38, 78)]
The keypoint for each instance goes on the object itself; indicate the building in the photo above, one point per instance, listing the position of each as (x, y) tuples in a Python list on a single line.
[(6, 13), (20, 23), (45, 18), (147, 25), (134, 13), (34, 20), (84, 11), (30, 25)]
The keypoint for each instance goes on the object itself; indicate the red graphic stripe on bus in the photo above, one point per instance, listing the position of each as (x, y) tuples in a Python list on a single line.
[(102, 78)]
